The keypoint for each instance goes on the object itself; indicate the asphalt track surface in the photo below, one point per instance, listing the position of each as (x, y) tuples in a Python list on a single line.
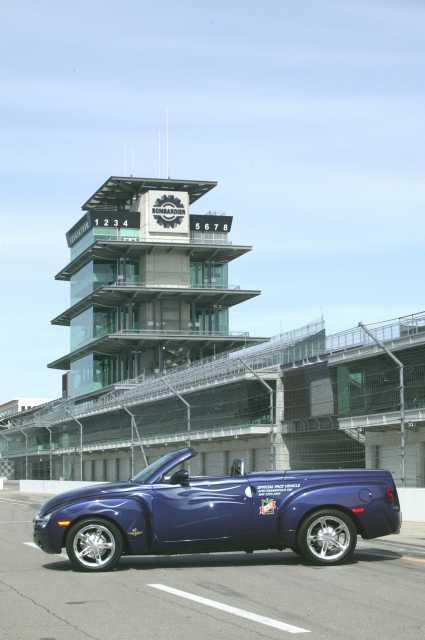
[(209, 596)]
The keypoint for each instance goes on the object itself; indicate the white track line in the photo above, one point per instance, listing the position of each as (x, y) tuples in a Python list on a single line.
[(34, 546), (22, 502), (242, 613)]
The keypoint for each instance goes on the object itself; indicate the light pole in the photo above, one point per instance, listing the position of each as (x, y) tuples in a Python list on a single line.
[(188, 409), (26, 453), (271, 408), (50, 453), (402, 405), (80, 424), (135, 429)]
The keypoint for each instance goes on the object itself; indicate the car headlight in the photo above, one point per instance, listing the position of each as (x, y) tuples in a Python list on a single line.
[(42, 521)]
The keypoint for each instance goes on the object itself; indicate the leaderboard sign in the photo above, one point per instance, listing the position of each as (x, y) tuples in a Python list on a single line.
[(211, 224), (104, 219)]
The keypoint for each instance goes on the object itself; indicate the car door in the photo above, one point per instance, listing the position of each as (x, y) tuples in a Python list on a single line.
[(215, 511)]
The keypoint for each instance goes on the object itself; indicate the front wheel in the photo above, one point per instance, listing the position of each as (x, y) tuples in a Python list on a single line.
[(327, 537), (94, 545)]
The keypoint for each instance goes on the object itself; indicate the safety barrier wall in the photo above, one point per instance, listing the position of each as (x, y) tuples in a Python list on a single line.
[(412, 502), (52, 486), (1, 483)]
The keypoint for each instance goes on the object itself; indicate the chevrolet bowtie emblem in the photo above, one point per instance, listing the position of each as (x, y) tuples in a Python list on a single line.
[(135, 532)]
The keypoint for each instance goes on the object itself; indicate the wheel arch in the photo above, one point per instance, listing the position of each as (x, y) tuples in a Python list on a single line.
[(335, 507), (96, 516)]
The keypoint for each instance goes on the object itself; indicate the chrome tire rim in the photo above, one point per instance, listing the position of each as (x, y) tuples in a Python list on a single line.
[(328, 538), (94, 546)]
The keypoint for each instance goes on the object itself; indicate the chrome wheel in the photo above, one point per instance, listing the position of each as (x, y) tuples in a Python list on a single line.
[(328, 538), (94, 545)]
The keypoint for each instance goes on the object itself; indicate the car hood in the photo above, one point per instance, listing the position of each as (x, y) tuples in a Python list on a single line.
[(95, 490)]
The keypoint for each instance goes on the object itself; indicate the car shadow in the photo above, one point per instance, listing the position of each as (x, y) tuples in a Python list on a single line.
[(240, 559)]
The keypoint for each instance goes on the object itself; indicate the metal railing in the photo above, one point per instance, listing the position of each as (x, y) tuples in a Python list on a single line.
[(207, 238), (167, 280), (394, 329), (181, 332), (103, 331)]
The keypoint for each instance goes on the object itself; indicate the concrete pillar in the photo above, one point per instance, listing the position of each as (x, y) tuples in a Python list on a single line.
[(281, 450), (280, 402), (281, 453)]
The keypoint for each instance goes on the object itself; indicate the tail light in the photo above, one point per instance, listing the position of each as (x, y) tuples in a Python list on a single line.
[(389, 492)]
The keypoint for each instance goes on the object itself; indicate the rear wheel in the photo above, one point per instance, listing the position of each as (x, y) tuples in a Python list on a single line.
[(327, 537), (94, 545)]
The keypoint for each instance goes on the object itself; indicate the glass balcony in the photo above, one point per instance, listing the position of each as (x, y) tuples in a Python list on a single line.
[(99, 273)]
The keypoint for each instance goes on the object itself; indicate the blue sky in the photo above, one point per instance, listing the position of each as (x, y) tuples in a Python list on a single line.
[(310, 114)]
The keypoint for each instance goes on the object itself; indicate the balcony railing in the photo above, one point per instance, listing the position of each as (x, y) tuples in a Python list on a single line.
[(181, 332), (392, 330), (167, 280), (208, 238)]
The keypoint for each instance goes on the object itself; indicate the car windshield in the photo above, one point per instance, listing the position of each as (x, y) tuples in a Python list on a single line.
[(148, 471)]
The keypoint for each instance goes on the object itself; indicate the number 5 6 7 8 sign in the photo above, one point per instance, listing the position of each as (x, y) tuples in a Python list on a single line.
[(211, 224)]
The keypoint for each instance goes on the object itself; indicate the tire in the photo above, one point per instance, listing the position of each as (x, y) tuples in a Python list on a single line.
[(94, 545), (327, 537)]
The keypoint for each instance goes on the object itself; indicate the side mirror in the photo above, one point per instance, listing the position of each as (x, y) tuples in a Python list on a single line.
[(181, 476)]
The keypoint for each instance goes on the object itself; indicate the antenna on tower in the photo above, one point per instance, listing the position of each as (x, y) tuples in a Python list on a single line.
[(159, 153), (124, 158), (132, 162), (166, 143)]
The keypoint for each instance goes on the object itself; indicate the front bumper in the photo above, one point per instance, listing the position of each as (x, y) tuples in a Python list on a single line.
[(44, 539)]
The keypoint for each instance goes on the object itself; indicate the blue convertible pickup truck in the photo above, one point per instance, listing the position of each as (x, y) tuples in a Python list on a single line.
[(164, 510)]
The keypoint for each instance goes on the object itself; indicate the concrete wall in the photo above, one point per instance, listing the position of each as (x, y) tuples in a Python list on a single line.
[(1, 484), (412, 502), (383, 452), (51, 486)]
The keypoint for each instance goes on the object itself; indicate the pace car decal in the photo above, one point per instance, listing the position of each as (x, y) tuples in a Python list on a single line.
[(135, 532), (267, 507), (276, 489)]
